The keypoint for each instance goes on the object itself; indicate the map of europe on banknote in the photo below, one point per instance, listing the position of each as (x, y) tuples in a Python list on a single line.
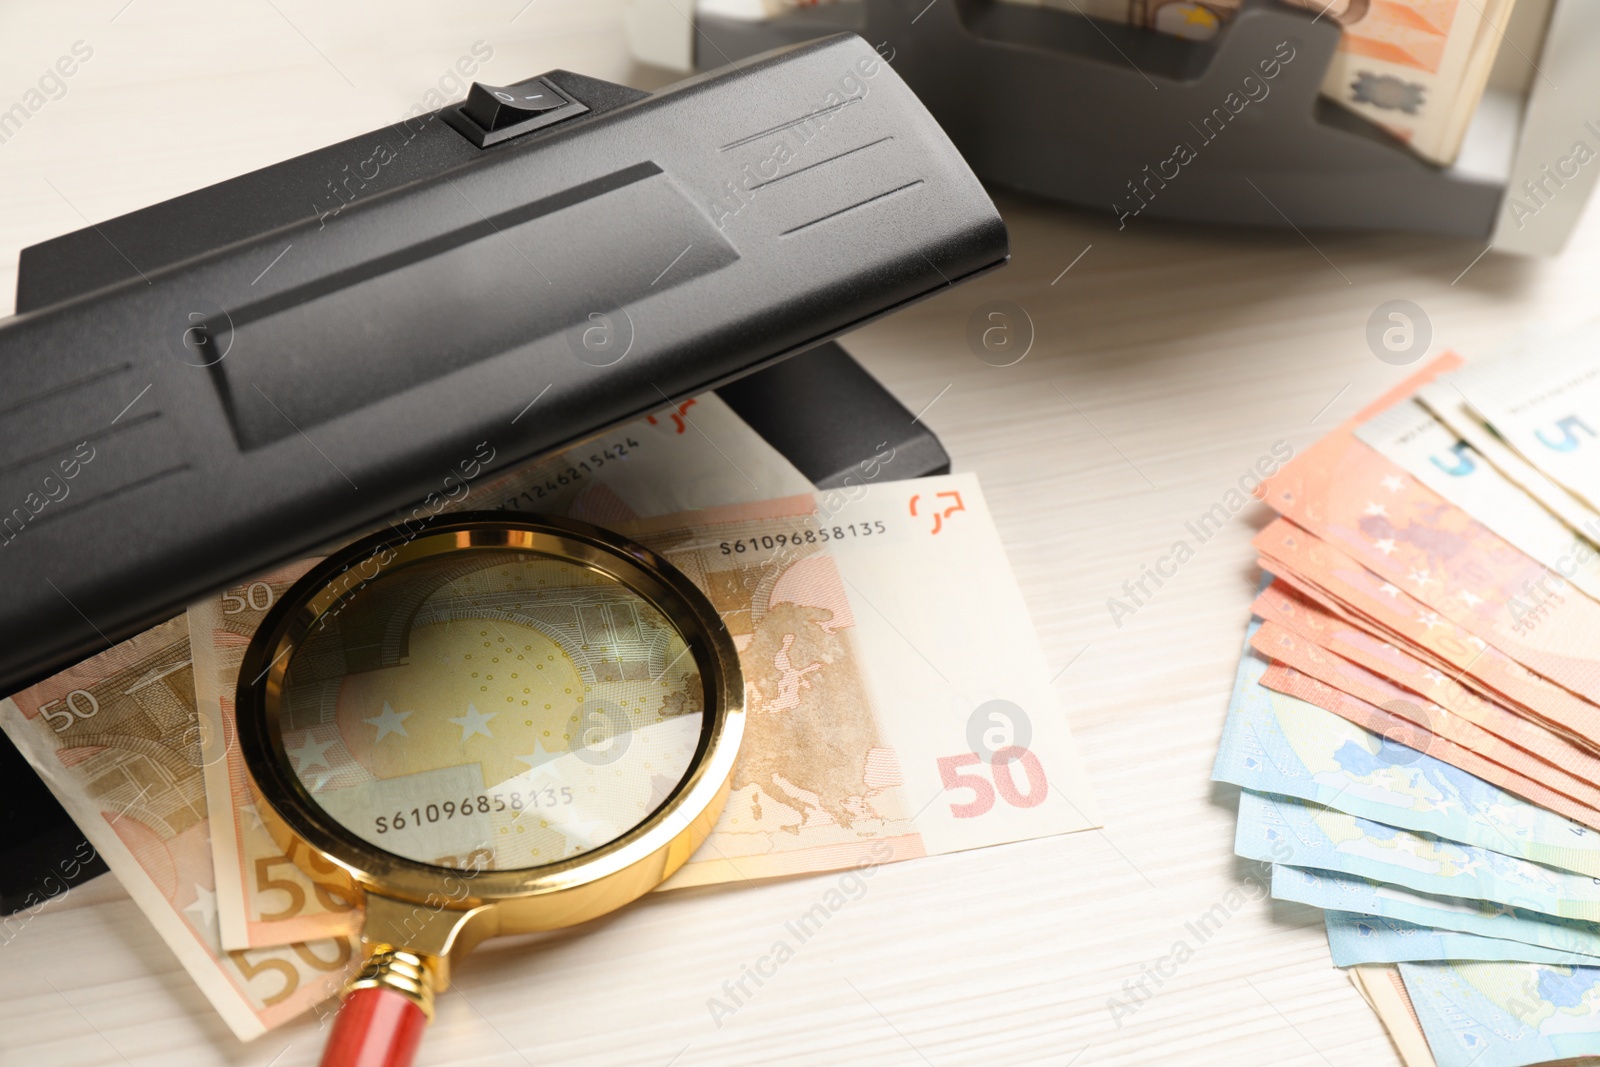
[(901, 658), (1505, 1014), (1290, 831), (1275, 743)]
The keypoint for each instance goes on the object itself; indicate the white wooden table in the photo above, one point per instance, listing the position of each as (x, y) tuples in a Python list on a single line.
[(1168, 359)]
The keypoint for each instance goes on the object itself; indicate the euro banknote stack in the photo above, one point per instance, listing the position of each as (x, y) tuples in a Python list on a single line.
[(1415, 723), (885, 645), (1416, 68)]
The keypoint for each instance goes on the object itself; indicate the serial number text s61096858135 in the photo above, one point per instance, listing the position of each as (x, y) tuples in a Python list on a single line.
[(804, 537), (482, 804)]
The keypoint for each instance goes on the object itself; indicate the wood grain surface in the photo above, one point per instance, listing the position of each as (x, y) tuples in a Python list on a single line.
[(1166, 360)]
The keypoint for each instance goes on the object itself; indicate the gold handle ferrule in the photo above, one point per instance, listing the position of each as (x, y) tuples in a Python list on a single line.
[(406, 973)]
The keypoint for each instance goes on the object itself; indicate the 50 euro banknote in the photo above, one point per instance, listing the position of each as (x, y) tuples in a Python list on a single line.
[(898, 704), (117, 741), (695, 454)]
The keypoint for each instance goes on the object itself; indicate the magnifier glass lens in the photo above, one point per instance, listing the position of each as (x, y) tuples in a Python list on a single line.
[(491, 710)]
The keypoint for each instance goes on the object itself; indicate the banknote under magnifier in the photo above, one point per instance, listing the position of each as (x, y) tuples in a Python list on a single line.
[(488, 725)]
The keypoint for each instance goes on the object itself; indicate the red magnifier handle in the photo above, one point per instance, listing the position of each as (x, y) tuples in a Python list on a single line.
[(375, 1027)]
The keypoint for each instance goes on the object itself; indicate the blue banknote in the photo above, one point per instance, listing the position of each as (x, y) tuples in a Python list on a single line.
[(1301, 834), (1275, 743), (1354, 939), (1350, 893), (1505, 1014)]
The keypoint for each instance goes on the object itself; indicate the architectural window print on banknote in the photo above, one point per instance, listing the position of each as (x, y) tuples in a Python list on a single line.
[(119, 743)]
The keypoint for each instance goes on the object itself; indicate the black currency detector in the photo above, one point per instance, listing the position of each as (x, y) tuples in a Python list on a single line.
[(199, 390)]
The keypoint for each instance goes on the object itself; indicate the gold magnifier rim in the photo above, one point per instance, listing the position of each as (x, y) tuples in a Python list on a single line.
[(603, 878)]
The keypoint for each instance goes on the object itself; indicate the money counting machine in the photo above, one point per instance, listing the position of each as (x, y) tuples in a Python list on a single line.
[(201, 389), (1043, 100)]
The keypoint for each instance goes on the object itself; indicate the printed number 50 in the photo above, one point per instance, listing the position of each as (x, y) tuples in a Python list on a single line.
[(234, 604), (1004, 783), (79, 702)]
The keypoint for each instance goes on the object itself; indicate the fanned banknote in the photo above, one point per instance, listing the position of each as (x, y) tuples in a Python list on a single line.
[(1357, 939), (1505, 1014), (1408, 732), (1382, 987), (1544, 401), (117, 740), (1346, 494), (1525, 748), (1341, 585), (1301, 834), (1436, 562), (1275, 743), (1354, 894), (888, 658), (1339, 651)]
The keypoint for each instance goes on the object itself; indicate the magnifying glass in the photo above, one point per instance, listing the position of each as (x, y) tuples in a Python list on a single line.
[(495, 725)]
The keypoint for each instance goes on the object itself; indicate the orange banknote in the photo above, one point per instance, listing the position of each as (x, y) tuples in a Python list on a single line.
[(1284, 679), (1368, 507), (1294, 651), (117, 741), (264, 895), (1349, 642), (1306, 591), (1472, 652), (1292, 552)]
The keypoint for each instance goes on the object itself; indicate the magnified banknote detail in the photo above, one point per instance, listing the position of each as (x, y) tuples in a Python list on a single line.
[(491, 712)]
